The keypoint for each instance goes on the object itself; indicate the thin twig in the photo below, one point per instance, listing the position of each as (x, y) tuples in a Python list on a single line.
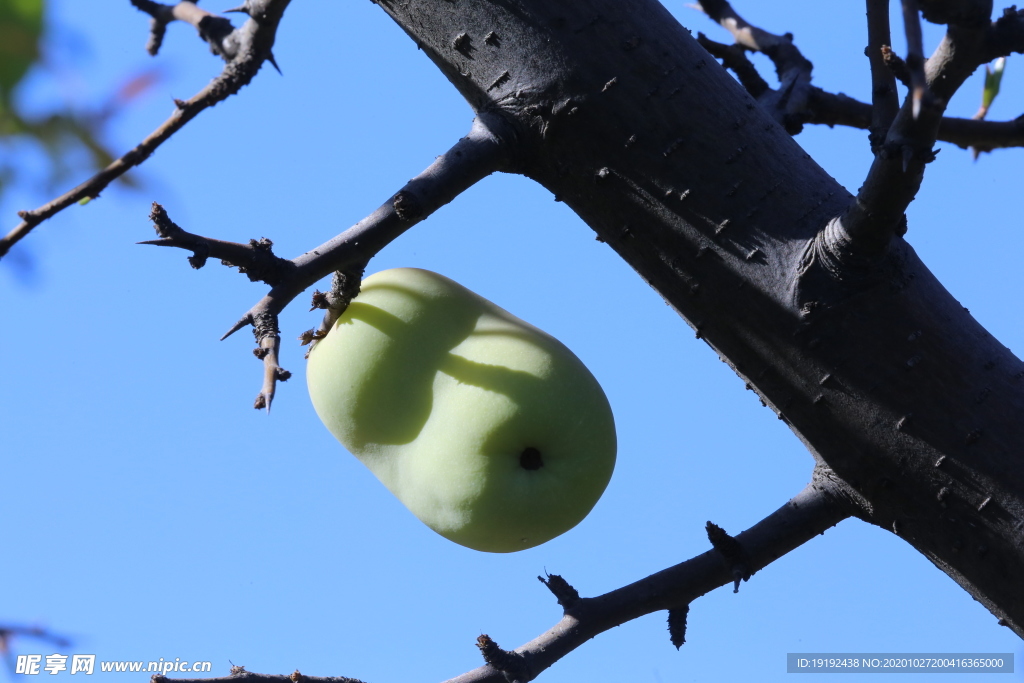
[(254, 40), (896, 65), (11, 631), (915, 54), (734, 57), (212, 28), (256, 260)]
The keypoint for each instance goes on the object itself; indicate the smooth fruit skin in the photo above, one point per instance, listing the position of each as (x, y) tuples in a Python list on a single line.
[(488, 429)]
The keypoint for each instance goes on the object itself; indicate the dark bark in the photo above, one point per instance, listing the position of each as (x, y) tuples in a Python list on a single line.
[(613, 107)]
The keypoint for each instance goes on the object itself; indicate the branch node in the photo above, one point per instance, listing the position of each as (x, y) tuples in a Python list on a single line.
[(511, 664), (406, 206), (732, 553), (344, 287), (566, 595)]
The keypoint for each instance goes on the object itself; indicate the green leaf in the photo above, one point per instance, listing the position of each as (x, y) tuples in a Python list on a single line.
[(993, 77)]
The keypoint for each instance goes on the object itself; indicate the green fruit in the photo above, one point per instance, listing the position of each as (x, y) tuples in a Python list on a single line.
[(488, 429)]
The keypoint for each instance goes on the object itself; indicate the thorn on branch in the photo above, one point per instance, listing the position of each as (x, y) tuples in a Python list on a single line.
[(511, 664), (732, 553), (566, 595), (677, 625), (242, 9), (273, 63)]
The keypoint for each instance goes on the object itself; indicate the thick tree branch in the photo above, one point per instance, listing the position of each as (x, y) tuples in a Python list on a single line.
[(976, 13), (884, 98), (1006, 35), (250, 47), (471, 159)]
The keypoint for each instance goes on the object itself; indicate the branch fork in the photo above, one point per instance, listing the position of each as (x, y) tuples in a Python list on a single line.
[(244, 49), (472, 158)]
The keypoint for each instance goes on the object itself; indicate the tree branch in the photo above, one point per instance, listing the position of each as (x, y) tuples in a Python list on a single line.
[(821, 107), (794, 70), (245, 48), (915, 54), (238, 673), (734, 57), (471, 159), (212, 28), (256, 259), (884, 98), (822, 504), (1006, 35), (1002, 37), (833, 109), (811, 512), (344, 287), (10, 631), (877, 213)]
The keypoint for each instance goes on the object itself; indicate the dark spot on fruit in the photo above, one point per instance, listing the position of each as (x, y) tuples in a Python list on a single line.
[(530, 459)]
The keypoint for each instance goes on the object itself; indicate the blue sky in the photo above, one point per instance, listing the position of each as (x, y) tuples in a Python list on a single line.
[(150, 512)]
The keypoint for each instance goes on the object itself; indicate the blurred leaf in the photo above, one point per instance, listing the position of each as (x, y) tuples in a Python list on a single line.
[(62, 134), (21, 29)]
